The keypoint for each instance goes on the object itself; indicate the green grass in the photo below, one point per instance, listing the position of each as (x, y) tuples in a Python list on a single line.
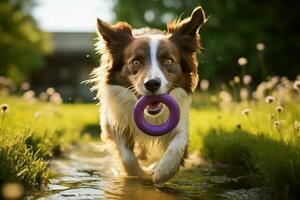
[(274, 162), (253, 141), (32, 133)]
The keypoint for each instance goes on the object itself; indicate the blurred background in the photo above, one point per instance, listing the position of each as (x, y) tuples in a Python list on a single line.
[(47, 43)]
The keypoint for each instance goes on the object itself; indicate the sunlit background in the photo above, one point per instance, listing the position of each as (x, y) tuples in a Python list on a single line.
[(51, 42), (72, 15)]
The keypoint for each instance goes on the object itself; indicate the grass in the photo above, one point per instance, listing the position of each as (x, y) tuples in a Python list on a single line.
[(266, 141), (33, 132), (264, 137), (274, 163)]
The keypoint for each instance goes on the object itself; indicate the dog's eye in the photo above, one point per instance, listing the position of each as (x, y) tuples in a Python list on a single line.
[(136, 62), (168, 61)]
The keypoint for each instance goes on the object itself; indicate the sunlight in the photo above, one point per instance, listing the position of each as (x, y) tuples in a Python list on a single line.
[(72, 15)]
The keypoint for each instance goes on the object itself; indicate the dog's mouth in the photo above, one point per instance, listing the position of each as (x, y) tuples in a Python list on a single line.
[(154, 108)]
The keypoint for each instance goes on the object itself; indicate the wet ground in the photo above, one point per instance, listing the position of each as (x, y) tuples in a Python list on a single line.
[(90, 171)]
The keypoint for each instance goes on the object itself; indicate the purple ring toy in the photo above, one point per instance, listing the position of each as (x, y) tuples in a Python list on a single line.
[(153, 130)]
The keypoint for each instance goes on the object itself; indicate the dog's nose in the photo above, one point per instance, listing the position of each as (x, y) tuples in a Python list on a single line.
[(153, 84)]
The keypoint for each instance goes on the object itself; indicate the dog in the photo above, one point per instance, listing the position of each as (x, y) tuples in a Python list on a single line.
[(142, 62)]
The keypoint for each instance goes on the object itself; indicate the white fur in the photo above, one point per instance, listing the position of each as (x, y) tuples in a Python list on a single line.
[(155, 71), (129, 161), (170, 162), (117, 104)]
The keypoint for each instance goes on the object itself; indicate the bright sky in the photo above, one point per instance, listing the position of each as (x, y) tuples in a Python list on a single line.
[(72, 15)]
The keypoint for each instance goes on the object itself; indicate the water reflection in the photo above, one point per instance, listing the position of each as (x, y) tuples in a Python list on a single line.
[(90, 171), (136, 189)]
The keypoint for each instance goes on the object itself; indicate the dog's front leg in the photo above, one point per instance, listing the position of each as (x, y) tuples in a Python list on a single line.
[(130, 163), (172, 158)]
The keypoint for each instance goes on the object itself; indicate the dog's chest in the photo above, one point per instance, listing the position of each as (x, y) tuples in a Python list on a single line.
[(117, 105)]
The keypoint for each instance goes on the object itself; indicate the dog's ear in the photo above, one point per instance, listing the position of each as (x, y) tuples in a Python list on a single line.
[(115, 36), (185, 33)]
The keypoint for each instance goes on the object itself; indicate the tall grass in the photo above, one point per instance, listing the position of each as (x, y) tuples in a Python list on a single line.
[(275, 163), (33, 132), (261, 134)]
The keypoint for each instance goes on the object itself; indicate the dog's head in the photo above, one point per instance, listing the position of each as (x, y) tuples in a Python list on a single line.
[(153, 62)]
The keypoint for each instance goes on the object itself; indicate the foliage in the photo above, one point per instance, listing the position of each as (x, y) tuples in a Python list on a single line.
[(32, 132), (262, 134), (22, 44), (233, 30), (18, 163), (277, 164)]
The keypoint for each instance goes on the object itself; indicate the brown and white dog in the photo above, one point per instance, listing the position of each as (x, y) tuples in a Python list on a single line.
[(146, 62)]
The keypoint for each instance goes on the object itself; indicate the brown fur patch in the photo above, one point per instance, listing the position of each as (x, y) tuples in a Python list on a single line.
[(173, 72), (185, 36), (115, 38), (181, 44)]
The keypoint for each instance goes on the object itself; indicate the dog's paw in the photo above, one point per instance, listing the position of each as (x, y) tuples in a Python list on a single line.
[(163, 172)]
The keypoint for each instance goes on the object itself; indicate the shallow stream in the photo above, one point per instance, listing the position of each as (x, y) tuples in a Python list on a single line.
[(90, 171)]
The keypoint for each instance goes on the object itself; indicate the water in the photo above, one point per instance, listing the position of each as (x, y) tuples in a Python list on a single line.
[(90, 171)]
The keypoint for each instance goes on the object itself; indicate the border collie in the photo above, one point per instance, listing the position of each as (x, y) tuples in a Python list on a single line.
[(147, 62)]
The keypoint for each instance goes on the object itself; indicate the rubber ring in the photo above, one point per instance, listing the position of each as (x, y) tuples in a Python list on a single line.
[(156, 130)]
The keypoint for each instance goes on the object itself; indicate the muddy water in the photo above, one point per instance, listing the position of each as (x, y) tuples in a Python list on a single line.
[(90, 171)]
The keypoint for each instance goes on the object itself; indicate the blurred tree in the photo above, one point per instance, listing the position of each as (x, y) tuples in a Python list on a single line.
[(233, 30), (22, 44)]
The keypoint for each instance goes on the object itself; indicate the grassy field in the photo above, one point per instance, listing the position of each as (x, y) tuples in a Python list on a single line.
[(261, 134), (33, 132)]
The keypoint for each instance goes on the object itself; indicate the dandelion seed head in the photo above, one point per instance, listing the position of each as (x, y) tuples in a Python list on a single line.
[(225, 96), (43, 96), (279, 109), (244, 94), (260, 46), (246, 111), (25, 86), (29, 95), (242, 61), (4, 107), (55, 98), (236, 79), (278, 124), (275, 79), (247, 79), (285, 81), (269, 85), (204, 84), (270, 99), (50, 91)]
